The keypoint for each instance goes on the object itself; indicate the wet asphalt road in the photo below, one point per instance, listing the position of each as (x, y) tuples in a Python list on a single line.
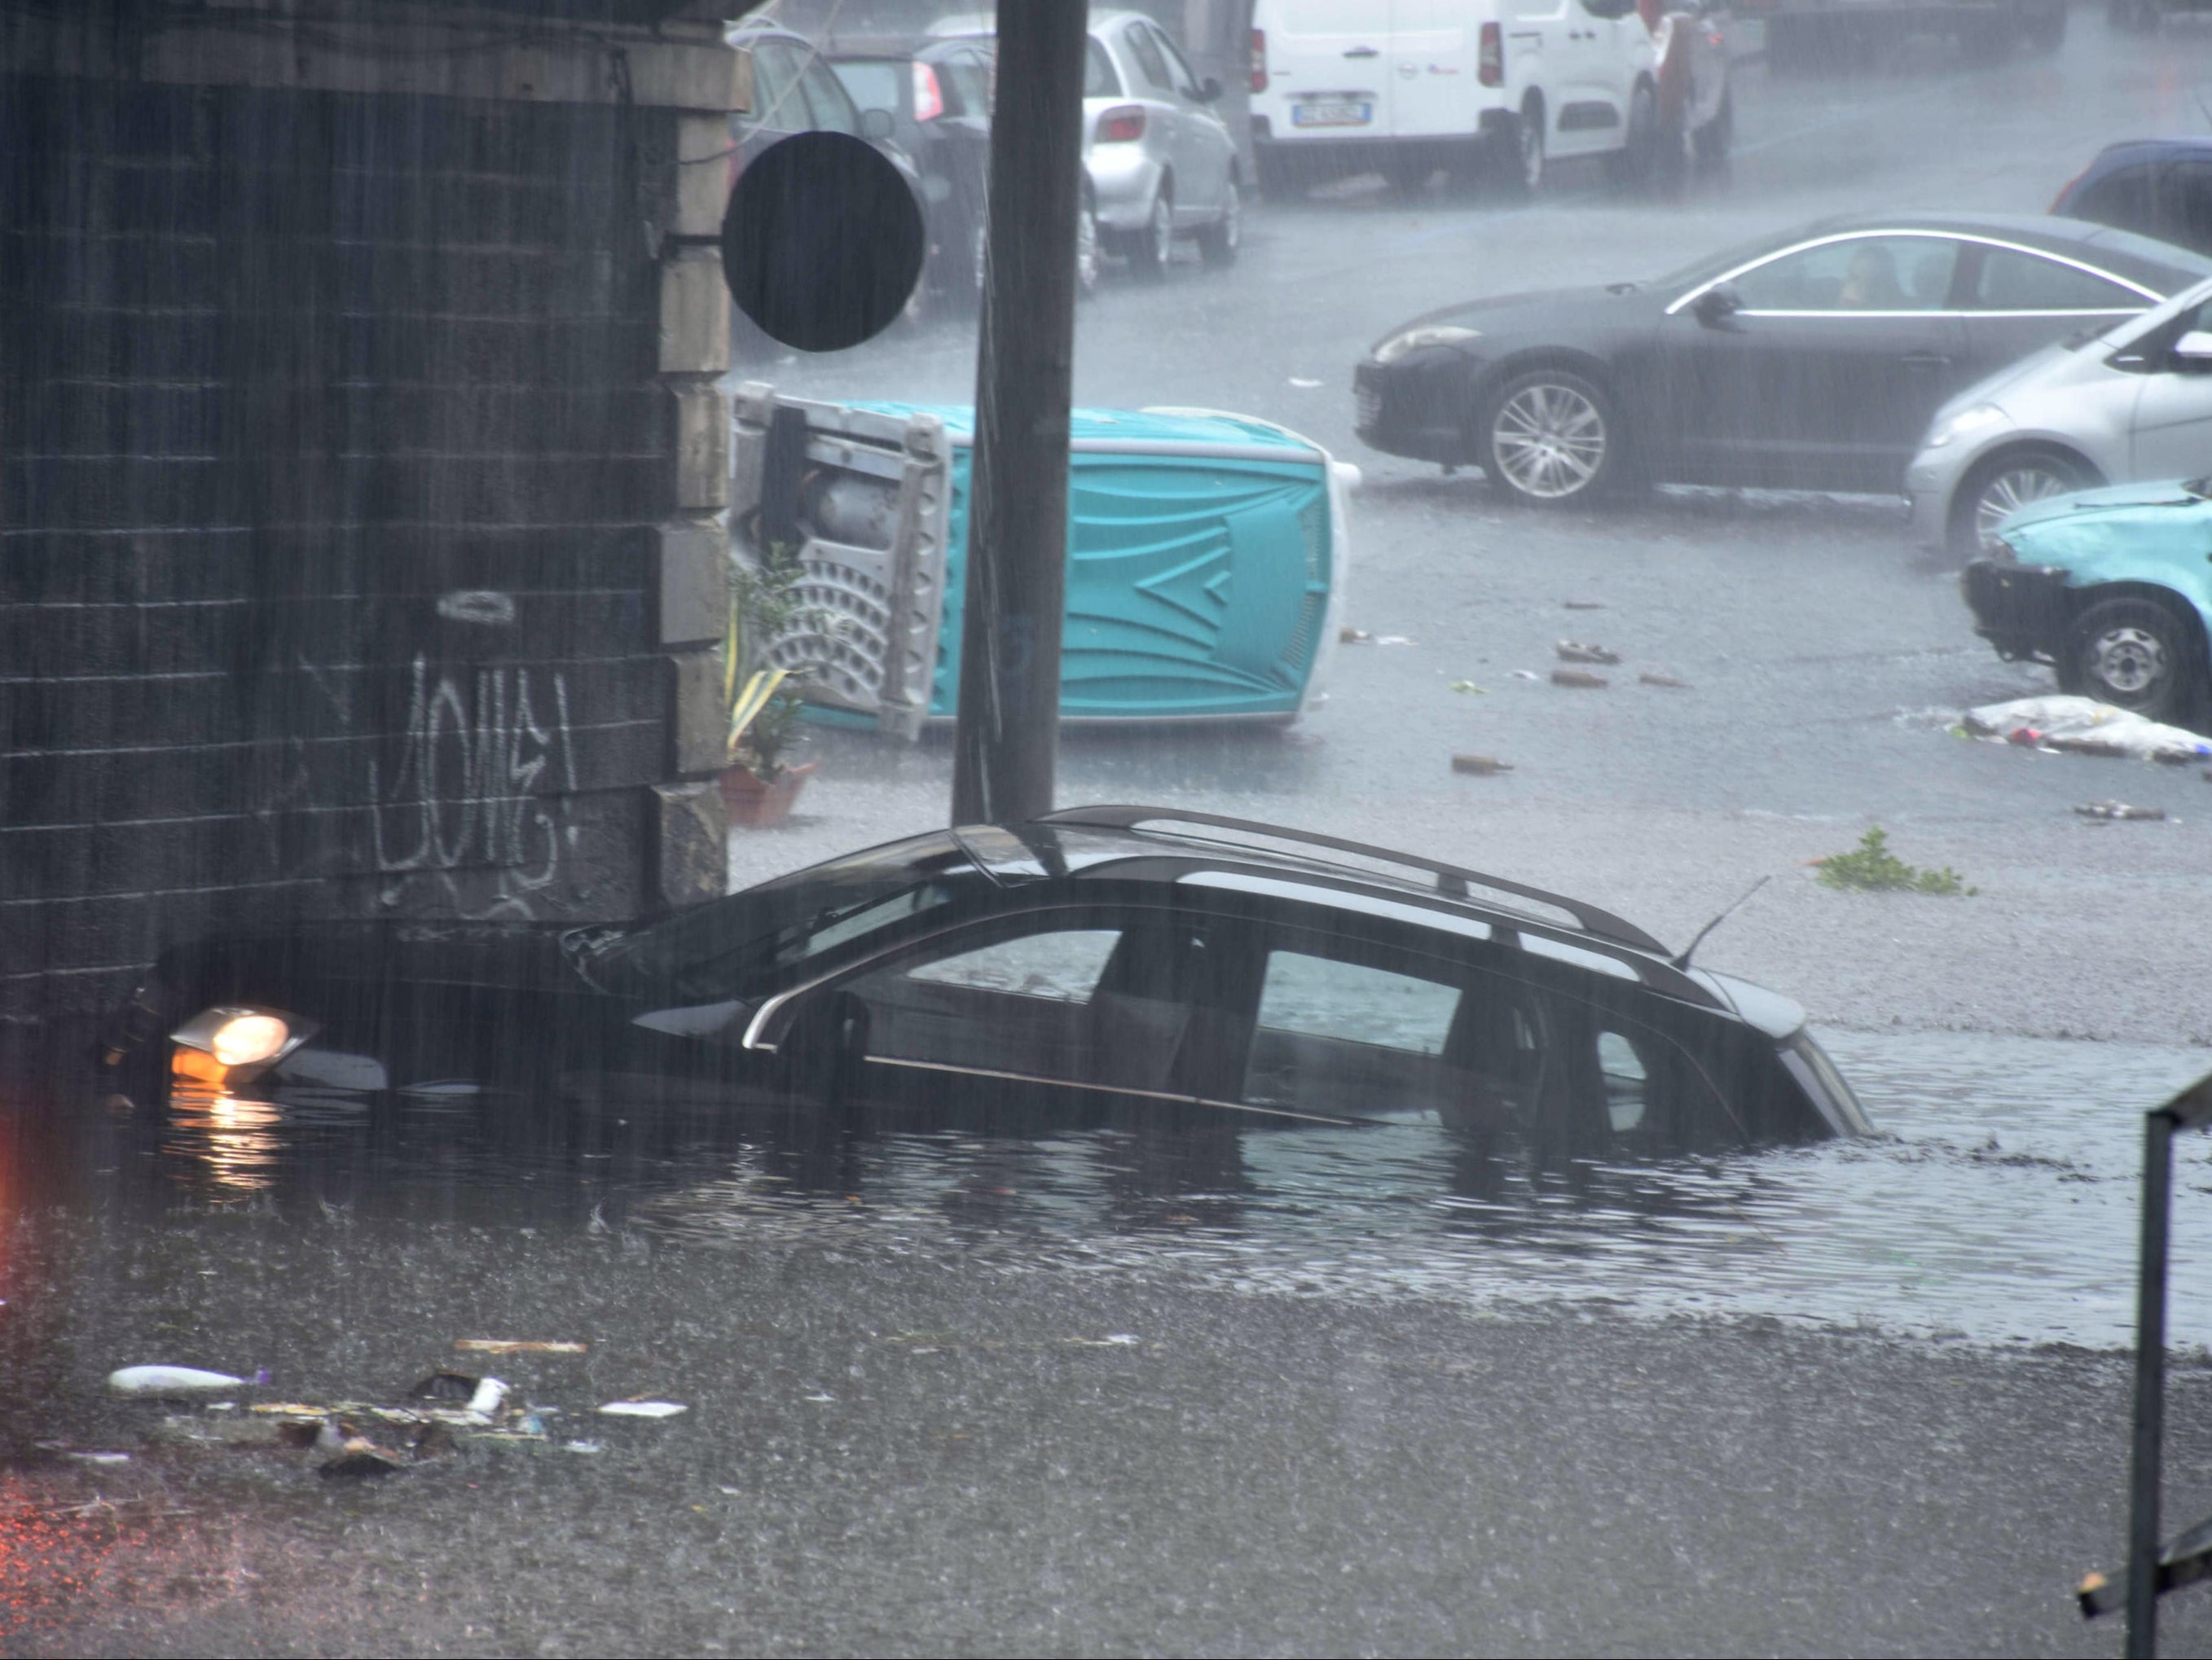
[(920, 1432)]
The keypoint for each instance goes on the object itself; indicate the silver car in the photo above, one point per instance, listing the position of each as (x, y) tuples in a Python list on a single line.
[(2133, 401), (1158, 161)]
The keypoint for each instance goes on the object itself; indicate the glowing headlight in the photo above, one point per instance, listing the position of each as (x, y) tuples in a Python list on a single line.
[(1976, 418), (235, 1041), (1428, 334)]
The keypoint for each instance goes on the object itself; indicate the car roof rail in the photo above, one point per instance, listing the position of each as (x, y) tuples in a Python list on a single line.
[(1452, 881)]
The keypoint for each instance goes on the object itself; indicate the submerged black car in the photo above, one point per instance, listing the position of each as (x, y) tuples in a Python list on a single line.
[(1811, 361), (1107, 964)]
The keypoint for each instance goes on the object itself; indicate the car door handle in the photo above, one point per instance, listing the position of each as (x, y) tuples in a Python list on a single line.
[(1925, 360), (1361, 51)]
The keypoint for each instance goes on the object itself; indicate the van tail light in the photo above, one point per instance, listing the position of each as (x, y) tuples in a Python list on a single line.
[(1122, 124), (928, 98), (1259, 60), (1490, 66)]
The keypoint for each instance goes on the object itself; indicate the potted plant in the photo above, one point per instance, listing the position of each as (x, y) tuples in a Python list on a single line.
[(760, 782)]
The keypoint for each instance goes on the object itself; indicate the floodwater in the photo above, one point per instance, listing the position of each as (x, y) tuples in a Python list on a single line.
[(1999, 1204)]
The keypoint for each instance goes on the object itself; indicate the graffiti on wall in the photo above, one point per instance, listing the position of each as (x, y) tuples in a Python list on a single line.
[(485, 758)]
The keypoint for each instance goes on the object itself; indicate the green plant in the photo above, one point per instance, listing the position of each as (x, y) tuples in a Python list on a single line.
[(761, 702), (1872, 867)]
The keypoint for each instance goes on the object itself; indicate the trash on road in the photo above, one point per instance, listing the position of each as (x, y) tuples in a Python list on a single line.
[(1667, 681), (515, 1346), (2118, 810), (2083, 726), (360, 1458), (1392, 640), (1579, 678), (1469, 685), (1584, 605), (1480, 765), (98, 1458), (159, 1380), (1300, 381), (1351, 636), (643, 1408), (1576, 650)]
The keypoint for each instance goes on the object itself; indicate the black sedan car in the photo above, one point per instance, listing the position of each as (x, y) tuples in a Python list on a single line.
[(1812, 361), (1126, 965), (937, 96)]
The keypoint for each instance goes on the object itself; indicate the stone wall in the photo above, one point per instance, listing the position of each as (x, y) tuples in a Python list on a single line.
[(360, 462)]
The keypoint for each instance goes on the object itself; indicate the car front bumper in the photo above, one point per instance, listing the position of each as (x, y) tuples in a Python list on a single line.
[(1931, 483), (1417, 407), (2021, 610)]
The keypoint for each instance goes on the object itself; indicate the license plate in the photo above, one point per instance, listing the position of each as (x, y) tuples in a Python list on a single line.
[(1332, 115)]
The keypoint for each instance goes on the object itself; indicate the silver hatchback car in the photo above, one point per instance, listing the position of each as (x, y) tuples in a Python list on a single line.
[(1158, 161), (2131, 401)]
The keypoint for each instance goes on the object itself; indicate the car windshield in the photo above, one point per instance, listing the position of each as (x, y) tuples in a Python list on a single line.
[(722, 948)]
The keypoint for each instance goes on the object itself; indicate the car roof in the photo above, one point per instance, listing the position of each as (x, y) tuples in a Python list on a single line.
[(1096, 840)]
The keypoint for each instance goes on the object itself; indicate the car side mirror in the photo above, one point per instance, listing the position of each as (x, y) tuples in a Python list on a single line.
[(1209, 90), (1715, 305), (876, 125), (2193, 351)]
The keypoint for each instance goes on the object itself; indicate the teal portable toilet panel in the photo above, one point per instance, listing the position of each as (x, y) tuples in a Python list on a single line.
[(1198, 587)]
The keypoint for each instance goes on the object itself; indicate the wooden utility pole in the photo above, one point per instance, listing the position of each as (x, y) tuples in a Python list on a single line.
[(1009, 718)]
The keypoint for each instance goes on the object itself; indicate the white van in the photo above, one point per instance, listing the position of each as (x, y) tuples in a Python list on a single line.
[(1407, 86)]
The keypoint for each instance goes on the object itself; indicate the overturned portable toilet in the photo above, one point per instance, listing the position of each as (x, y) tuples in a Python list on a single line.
[(1206, 558)]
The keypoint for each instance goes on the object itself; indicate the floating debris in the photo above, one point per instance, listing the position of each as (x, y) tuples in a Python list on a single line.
[(2118, 810), (515, 1346), (1352, 636), (490, 1394), (1574, 651), (1584, 605), (1111, 1339), (444, 1386), (1526, 674), (643, 1408), (1579, 678), (1300, 381), (160, 1380), (1667, 681), (360, 1459), (1469, 685), (1480, 765), (1392, 640), (98, 1458)]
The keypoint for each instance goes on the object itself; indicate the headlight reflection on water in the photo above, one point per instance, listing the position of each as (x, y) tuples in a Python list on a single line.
[(233, 1140)]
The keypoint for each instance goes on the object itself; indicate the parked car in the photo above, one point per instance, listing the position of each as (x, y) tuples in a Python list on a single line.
[(2160, 187), (2111, 589), (1206, 554), (1104, 964), (1809, 35), (1158, 161), (1812, 361), (938, 96), (1344, 85), (2130, 402)]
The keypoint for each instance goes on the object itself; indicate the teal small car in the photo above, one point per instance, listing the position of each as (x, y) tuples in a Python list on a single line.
[(1206, 558), (2113, 588)]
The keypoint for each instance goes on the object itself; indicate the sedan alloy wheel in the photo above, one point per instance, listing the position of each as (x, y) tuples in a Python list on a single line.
[(1550, 438), (2013, 483)]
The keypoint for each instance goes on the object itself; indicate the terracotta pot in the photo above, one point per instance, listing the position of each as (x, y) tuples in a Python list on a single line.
[(755, 803)]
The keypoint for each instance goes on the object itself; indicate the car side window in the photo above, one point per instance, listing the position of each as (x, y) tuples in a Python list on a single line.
[(1324, 997), (777, 104), (828, 102), (2009, 280), (967, 85), (2128, 199), (1065, 967), (1150, 62), (2185, 206), (1855, 274), (1186, 83)]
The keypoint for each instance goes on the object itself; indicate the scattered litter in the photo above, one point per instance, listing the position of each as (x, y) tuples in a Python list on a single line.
[(642, 1408), (444, 1386), (1392, 640), (586, 1447), (175, 1380), (1667, 681), (1112, 1340), (1526, 674), (1352, 636), (490, 1393), (1481, 765), (1584, 605), (515, 1346), (98, 1458), (1469, 685), (2083, 726), (360, 1459), (1576, 650), (1579, 678), (826, 1399), (2118, 810), (1300, 380)]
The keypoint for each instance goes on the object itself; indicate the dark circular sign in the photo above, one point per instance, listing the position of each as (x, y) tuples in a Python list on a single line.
[(821, 242)]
